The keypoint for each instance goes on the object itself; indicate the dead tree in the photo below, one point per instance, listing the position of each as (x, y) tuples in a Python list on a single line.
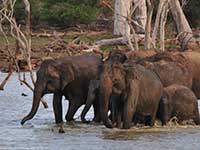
[(23, 42), (163, 20), (182, 24), (121, 12), (140, 16), (123, 24), (148, 40), (28, 15)]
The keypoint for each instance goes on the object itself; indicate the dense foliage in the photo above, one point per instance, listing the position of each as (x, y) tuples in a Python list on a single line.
[(59, 12), (69, 12), (192, 11)]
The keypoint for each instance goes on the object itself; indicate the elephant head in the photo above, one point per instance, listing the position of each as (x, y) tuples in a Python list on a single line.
[(117, 56), (112, 81), (52, 77)]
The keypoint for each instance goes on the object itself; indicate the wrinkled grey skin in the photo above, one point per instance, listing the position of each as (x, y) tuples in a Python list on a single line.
[(136, 91), (94, 87), (178, 101), (179, 68), (68, 76), (106, 85)]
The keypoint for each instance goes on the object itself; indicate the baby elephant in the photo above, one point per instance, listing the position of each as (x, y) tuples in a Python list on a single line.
[(180, 102)]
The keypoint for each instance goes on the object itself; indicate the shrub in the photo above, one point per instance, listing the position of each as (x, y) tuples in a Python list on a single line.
[(59, 13), (192, 12), (66, 14)]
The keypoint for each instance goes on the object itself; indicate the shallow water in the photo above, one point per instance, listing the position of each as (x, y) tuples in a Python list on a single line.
[(40, 133)]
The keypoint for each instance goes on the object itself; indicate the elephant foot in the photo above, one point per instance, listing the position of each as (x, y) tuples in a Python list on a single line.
[(72, 122), (109, 124), (61, 128), (126, 126), (86, 121)]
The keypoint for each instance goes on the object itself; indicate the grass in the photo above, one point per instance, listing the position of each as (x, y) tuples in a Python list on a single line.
[(38, 42)]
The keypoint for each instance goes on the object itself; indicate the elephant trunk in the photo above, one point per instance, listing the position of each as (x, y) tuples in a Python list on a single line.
[(36, 101), (104, 105)]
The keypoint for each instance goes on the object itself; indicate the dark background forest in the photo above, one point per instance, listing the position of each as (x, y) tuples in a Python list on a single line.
[(66, 13)]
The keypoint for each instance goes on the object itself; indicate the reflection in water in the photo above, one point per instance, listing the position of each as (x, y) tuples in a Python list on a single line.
[(42, 134)]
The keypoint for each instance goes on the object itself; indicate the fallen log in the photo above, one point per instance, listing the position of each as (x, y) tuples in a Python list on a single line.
[(117, 41)]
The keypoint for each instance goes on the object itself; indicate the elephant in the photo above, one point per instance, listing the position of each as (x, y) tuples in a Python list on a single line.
[(178, 101), (137, 91), (94, 87), (170, 72), (189, 61), (68, 76)]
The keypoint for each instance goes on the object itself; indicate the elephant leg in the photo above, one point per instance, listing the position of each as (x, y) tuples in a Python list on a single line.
[(84, 112), (113, 110), (57, 107), (118, 118), (153, 116), (196, 115), (197, 120), (127, 116), (73, 107), (97, 115)]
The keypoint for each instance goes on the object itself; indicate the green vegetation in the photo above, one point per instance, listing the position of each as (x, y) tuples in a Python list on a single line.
[(59, 13), (65, 13), (192, 11)]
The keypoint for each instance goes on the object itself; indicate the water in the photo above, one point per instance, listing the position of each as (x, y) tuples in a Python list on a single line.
[(41, 133)]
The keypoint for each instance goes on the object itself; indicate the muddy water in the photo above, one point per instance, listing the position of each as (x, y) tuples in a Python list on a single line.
[(41, 133)]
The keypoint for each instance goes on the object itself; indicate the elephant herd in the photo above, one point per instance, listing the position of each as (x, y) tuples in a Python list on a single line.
[(125, 89)]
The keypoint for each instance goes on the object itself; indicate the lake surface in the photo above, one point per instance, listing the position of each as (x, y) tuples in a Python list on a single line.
[(40, 133)]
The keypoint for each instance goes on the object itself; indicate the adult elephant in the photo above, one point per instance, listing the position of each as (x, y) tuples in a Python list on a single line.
[(68, 76), (171, 72), (136, 90), (178, 101), (188, 62)]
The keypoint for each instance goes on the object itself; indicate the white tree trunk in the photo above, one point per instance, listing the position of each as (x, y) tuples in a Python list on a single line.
[(140, 15), (148, 40), (157, 22), (28, 15), (122, 11), (182, 24), (163, 20)]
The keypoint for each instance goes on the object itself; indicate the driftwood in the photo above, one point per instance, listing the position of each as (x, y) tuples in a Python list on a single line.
[(3, 83), (117, 41)]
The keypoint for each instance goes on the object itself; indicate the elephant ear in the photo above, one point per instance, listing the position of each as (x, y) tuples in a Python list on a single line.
[(52, 70), (67, 75)]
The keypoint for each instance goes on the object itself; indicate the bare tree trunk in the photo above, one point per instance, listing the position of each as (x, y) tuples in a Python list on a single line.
[(182, 24), (148, 40), (163, 20), (140, 15), (157, 22), (122, 10), (28, 16)]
